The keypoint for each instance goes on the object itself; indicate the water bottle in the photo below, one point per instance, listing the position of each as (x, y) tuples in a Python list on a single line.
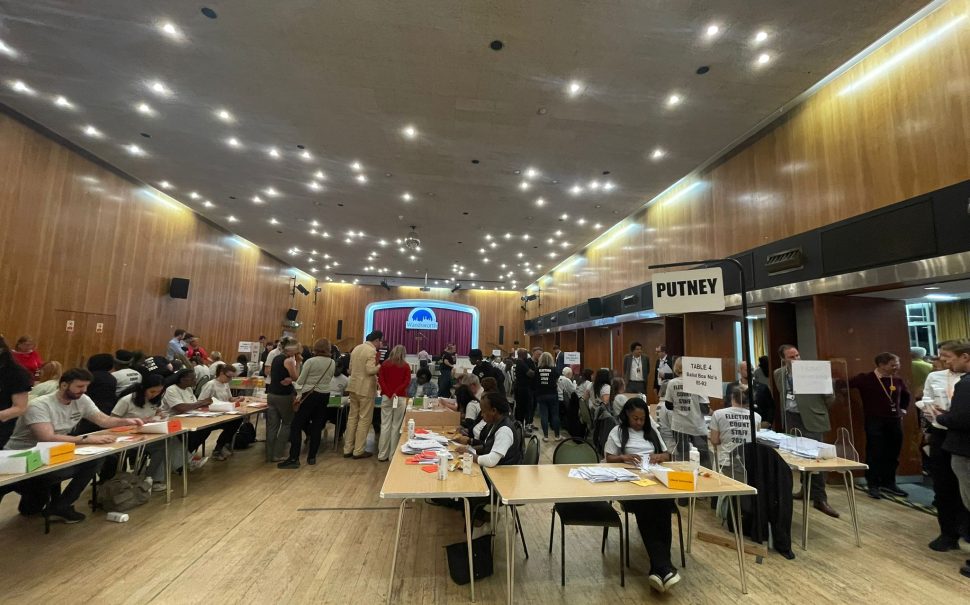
[(117, 517), (695, 457), (442, 465), (411, 428)]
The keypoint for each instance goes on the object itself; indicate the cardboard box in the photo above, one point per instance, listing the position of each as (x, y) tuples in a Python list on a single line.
[(15, 462), (55, 452), (675, 478)]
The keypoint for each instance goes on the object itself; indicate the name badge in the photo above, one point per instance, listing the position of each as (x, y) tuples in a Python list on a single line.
[(394, 402), (790, 397)]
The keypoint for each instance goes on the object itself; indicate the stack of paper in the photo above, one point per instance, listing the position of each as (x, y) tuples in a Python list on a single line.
[(221, 406), (769, 437), (602, 474), (807, 448), (416, 446)]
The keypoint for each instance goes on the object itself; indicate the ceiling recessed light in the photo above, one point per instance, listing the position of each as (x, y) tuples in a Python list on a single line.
[(271, 192), (481, 250), (319, 175), (406, 197), (540, 202), (274, 153), (315, 186), (597, 226), (166, 185), (763, 58), (493, 244), (257, 199), (608, 186), (658, 153), (233, 142), (356, 166), (61, 101), (574, 88), (21, 87), (232, 219), (559, 233), (134, 149), (208, 204), (362, 178), (169, 29), (225, 116), (552, 255), (306, 155), (712, 30), (409, 132), (194, 195), (145, 108), (7, 50), (550, 241), (508, 236), (931, 288), (673, 99), (563, 217), (488, 236), (576, 189), (158, 87), (581, 221), (93, 132), (524, 185), (760, 37), (525, 236), (273, 221), (531, 173)]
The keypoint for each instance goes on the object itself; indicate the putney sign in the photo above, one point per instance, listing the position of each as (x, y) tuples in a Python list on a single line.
[(688, 291), (421, 318)]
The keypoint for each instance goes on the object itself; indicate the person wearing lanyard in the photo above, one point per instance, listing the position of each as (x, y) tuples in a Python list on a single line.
[(809, 413), (633, 364), (884, 399)]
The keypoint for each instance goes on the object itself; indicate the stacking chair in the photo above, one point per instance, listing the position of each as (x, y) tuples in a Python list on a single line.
[(588, 514), (530, 456), (201, 383)]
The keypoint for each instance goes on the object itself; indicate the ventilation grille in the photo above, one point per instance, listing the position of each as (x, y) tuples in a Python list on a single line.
[(785, 261)]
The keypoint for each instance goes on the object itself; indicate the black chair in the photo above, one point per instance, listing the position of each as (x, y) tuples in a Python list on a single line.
[(588, 514)]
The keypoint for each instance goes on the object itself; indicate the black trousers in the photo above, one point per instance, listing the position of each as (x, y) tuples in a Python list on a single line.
[(953, 517), (524, 412), (311, 417), (653, 522), (38, 491), (884, 440)]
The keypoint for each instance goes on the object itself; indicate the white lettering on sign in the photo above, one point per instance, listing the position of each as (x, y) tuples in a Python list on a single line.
[(70, 325), (99, 328), (702, 376), (811, 377), (688, 291)]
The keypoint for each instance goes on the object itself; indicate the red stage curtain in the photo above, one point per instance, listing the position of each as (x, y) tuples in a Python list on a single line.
[(453, 326)]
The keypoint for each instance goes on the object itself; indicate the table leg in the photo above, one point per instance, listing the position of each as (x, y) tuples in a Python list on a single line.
[(734, 502), (397, 541), (806, 495), (690, 523), (185, 464), (168, 473), (468, 539), (509, 561), (493, 511), (850, 492)]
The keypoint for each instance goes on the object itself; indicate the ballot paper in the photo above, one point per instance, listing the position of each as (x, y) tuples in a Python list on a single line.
[(416, 446), (602, 474), (91, 450)]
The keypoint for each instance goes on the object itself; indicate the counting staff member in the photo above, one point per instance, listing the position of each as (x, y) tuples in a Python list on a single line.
[(499, 443), (636, 438), (731, 427)]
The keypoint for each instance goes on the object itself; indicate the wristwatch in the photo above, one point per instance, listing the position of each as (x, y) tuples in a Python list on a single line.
[(84, 437)]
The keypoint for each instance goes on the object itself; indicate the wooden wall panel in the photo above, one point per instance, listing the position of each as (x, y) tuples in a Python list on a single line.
[(82, 242), (856, 329), (709, 335), (901, 132), (596, 345)]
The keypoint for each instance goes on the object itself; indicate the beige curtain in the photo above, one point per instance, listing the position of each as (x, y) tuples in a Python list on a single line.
[(759, 337), (952, 320)]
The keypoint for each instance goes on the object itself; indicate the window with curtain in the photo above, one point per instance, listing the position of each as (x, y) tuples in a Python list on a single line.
[(921, 318), (952, 319)]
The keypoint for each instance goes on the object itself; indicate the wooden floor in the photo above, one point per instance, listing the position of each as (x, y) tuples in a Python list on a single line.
[(250, 533)]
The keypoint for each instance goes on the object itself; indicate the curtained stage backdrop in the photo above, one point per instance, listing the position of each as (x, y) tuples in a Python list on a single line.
[(454, 326)]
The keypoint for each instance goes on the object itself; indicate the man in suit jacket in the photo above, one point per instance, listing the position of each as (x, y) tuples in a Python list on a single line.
[(560, 358), (810, 415), (664, 368), (635, 368), (362, 388)]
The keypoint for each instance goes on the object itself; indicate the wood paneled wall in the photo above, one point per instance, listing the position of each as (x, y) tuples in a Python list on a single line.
[(710, 335), (82, 243), (902, 132)]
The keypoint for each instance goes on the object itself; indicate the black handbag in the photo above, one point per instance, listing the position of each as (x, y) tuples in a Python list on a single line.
[(481, 558)]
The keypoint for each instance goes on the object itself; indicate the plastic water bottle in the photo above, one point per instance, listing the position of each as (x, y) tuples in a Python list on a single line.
[(117, 517), (411, 428), (442, 466), (695, 457)]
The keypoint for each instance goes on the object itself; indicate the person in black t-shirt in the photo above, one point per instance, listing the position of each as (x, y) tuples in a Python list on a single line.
[(547, 380), (446, 371), (523, 378), (484, 369), (15, 383)]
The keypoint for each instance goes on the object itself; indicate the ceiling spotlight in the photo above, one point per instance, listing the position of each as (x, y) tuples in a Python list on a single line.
[(10, 52), (165, 185), (21, 87), (493, 245), (508, 236), (673, 99), (540, 202), (306, 155), (531, 173), (763, 58), (257, 199), (597, 226), (134, 150), (488, 236), (319, 175), (271, 192), (550, 241), (208, 204), (232, 219), (594, 185), (159, 88), (608, 186), (61, 101), (273, 221), (233, 142), (361, 178), (564, 244), (356, 167), (524, 185), (315, 186), (658, 153), (576, 190), (552, 255), (274, 153), (581, 221), (168, 28), (194, 195), (406, 197), (713, 30), (575, 88), (564, 216), (481, 250), (225, 116), (760, 37), (525, 236), (559, 233), (325, 234), (91, 131), (145, 108), (410, 132)]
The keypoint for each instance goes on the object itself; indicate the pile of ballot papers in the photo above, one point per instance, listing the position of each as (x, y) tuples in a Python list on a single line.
[(418, 445), (602, 474), (799, 446)]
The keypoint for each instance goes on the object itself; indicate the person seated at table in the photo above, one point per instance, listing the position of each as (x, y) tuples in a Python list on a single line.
[(634, 439), (200, 368), (218, 389), (52, 418), (422, 386), (123, 370), (144, 400), (241, 365), (499, 444), (46, 383), (601, 390), (468, 396), (195, 349), (731, 427), (618, 399), (179, 398)]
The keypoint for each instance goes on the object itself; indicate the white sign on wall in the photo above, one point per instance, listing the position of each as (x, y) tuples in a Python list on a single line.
[(571, 358), (702, 376), (811, 377), (688, 291)]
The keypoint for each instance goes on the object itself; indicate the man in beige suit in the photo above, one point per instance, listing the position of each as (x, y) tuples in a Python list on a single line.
[(362, 388)]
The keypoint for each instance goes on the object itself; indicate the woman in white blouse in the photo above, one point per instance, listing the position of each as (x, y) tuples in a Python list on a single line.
[(145, 402)]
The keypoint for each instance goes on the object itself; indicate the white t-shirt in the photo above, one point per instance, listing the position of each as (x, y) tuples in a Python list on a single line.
[(42, 388), (269, 362), (126, 408), (215, 366), (473, 409), (687, 416), (636, 369), (175, 396), (663, 420), (126, 377), (504, 438), (618, 402), (477, 429), (201, 372), (733, 426), (338, 384), (63, 418), (216, 390), (565, 387), (636, 444)]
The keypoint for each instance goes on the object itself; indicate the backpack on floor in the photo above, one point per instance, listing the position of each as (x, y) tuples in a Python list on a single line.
[(245, 437), (125, 491), (481, 559)]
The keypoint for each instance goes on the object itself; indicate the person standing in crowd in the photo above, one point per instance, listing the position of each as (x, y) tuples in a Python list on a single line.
[(104, 386), (560, 358), (424, 358), (422, 386), (663, 369), (762, 373), (921, 369), (446, 371), (809, 414), (956, 420), (952, 517), (52, 418), (218, 389), (264, 353), (584, 386), (242, 365), (15, 387), (312, 396), (176, 346), (730, 428), (284, 371), (125, 376), (382, 352), (547, 381), (635, 369), (145, 402), (687, 417), (272, 355), (484, 369), (634, 439), (394, 378), (764, 403), (362, 388), (885, 399), (565, 387), (25, 353), (522, 377)]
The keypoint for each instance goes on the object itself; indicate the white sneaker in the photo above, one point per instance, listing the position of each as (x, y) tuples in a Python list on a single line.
[(197, 463), (656, 582), (159, 487), (220, 454), (671, 580)]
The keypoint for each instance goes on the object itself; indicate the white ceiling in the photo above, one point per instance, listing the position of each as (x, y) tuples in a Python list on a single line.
[(344, 78)]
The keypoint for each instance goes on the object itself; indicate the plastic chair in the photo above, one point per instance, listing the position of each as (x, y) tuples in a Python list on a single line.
[(588, 514), (201, 383)]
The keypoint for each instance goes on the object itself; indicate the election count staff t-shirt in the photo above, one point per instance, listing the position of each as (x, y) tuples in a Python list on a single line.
[(734, 428), (687, 416), (48, 409)]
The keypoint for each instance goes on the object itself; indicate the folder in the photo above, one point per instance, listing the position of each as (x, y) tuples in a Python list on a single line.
[(161, 428), (15, 462), (55, 452)]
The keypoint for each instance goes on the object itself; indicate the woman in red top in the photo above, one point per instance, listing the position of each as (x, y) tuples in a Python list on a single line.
[(27, 356), (196, 349), (393, 377)]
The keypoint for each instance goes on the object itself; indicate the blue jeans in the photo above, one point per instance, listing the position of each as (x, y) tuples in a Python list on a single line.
[(549, 412)]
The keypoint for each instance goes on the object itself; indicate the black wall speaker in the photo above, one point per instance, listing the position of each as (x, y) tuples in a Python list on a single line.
[(501, 335), (340, 329), (595, 307), (291, 315), (179, 287)]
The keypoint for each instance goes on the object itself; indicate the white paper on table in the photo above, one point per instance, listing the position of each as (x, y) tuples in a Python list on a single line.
[(90, 450), (129, 438), (811, 377)]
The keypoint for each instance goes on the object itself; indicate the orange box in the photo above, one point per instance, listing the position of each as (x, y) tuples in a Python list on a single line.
[(54, 452)]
